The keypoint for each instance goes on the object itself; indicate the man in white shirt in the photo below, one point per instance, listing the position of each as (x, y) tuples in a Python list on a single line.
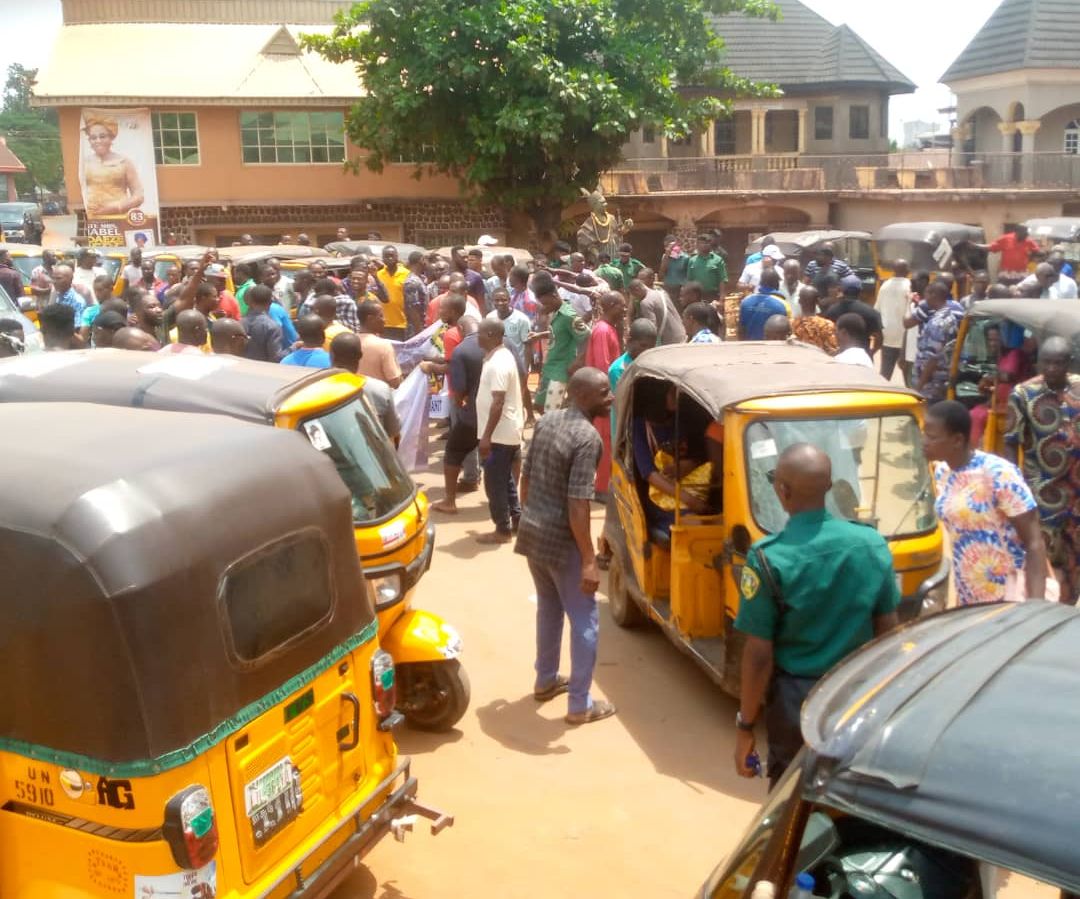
[(1054, 285), (85, 271), (790, 285), (751, 274), (132, 273), (499, 420), (893, 300), (851, 341)]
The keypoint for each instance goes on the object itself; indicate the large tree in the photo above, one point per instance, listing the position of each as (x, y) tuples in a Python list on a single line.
[(528, 101), (32, 134)]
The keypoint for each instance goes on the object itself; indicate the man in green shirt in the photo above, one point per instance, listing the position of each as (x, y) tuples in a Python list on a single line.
[(810, 594), (627, 264), (568, 333), (244, 280), (708, 268), (610, 273)]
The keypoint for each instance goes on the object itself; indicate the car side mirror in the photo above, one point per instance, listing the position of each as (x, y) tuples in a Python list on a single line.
[(820, 838)]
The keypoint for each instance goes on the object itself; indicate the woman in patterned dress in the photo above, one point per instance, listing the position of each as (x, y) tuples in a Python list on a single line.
[(987, 508)]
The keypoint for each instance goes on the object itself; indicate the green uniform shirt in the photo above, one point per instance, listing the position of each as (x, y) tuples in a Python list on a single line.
[(613, 275), (709, 271), (675, 275), (568, 330), (835, 575), (241, 292), (629, 269)]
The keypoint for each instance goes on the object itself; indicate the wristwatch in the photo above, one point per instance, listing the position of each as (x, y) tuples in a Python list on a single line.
[(741, 723)]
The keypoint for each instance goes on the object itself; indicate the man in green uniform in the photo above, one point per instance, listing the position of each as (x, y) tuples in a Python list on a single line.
[(568, 333), (610, 273), (708, 268), (627, 264), (810, 595)]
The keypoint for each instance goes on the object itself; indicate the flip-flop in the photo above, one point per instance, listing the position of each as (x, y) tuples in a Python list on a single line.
[(560, 686), (598, 711)]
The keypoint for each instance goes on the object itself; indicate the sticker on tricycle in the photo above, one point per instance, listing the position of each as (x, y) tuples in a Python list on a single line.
[(199, 884), (273, 799)]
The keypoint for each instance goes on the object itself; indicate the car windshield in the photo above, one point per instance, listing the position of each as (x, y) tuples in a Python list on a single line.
[(352, 437), (8, 304), (879, 474)]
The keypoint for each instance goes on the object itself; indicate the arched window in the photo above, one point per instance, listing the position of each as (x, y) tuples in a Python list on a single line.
[(1072, 137)]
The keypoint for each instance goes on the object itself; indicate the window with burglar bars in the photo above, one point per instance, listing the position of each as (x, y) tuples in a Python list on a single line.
[(176, 138), (292, 137)]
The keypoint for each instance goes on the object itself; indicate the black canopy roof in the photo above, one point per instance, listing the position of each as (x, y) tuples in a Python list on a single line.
[(1044, 317), (251, 391), (116, 528), (960, 730)]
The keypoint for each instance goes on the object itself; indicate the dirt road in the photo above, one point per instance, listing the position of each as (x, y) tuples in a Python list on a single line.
[(643, 804)]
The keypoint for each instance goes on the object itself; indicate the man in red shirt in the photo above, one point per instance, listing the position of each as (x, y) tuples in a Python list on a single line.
[(1016, 248), (604, 347)]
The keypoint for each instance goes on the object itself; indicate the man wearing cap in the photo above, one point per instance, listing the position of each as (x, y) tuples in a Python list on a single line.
[(851, 290), (751, 274), (85, 271)]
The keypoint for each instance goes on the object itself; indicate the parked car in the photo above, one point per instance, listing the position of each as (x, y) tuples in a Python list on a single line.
[(21, 222)]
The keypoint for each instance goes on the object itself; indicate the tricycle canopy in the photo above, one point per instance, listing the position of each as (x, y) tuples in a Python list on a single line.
[(132, 544), (720, 375), (1042, 317), (932, 732)]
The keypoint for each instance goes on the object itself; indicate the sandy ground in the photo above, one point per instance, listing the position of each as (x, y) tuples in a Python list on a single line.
[(642, 804)]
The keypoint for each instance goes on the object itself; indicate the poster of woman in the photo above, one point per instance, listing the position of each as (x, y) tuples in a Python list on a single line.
[(118, 178)]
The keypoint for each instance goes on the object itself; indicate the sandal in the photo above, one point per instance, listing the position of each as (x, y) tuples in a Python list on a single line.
[(557, 688), (596, 712)]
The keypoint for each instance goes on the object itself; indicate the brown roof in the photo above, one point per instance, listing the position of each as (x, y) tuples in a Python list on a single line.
[(9, 162)]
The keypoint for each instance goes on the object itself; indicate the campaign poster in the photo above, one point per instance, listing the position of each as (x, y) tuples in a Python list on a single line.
[(118, 177)]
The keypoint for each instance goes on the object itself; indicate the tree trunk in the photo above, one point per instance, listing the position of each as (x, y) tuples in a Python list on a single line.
[(546, 217)]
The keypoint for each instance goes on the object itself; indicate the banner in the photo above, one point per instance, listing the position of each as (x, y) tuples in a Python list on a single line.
[(118, 177)]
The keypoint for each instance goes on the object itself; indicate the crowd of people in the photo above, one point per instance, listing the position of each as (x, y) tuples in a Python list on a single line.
[(574, 324)]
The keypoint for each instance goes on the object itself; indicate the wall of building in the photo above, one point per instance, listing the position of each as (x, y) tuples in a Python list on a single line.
[(222, 178), (234, 12), (841, 103), (869, 214), (1051, 134), (984, 126)]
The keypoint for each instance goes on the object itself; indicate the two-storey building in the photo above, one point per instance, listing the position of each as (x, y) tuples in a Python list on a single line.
[(249, 129)]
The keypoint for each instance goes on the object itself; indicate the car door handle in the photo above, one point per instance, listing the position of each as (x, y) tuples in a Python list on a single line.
[(347, 743)]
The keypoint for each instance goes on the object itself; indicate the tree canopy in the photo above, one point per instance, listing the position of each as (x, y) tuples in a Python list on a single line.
[(528, 101), (32, 134)]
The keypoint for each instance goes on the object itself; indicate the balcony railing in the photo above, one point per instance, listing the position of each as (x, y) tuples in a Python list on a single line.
[(866, 172)]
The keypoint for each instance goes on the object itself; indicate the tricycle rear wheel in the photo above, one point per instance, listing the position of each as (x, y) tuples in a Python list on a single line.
[(624, 611), (435, 694)]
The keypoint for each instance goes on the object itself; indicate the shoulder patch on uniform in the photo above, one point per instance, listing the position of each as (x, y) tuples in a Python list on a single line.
[(750, 582)]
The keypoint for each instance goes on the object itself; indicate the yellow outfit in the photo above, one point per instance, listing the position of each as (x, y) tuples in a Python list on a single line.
[(394, 311), (332, 331), (106, 182)]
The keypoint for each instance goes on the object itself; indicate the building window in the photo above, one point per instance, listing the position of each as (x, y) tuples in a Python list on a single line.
[(176, 138), (859, 123), (648, 135), (1072, 137), (292, 137), (823, 123), (724, 136)]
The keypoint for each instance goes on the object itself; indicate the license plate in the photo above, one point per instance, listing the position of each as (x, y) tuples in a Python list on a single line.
[(273, 799)]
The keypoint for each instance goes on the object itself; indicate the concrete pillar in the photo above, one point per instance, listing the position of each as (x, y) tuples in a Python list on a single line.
[(1028, 130), (710, 138), (663, 146), (703, 141), (1007, 129), (757, 132), (802, 130)]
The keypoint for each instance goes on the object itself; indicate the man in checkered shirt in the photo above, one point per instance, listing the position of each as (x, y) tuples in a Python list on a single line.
[(557, 484)]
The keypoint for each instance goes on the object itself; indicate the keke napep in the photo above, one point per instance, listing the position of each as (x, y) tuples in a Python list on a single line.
[(394, 535), (196, 703), (721, 415)]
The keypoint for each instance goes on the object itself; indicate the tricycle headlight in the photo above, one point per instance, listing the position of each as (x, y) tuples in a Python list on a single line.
[(387, 589)]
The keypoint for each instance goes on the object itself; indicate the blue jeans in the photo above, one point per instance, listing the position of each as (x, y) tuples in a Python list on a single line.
[(500, 487), (558, 594)]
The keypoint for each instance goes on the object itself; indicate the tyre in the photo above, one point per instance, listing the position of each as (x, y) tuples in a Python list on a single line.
[(624, 611), (435, 694)]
